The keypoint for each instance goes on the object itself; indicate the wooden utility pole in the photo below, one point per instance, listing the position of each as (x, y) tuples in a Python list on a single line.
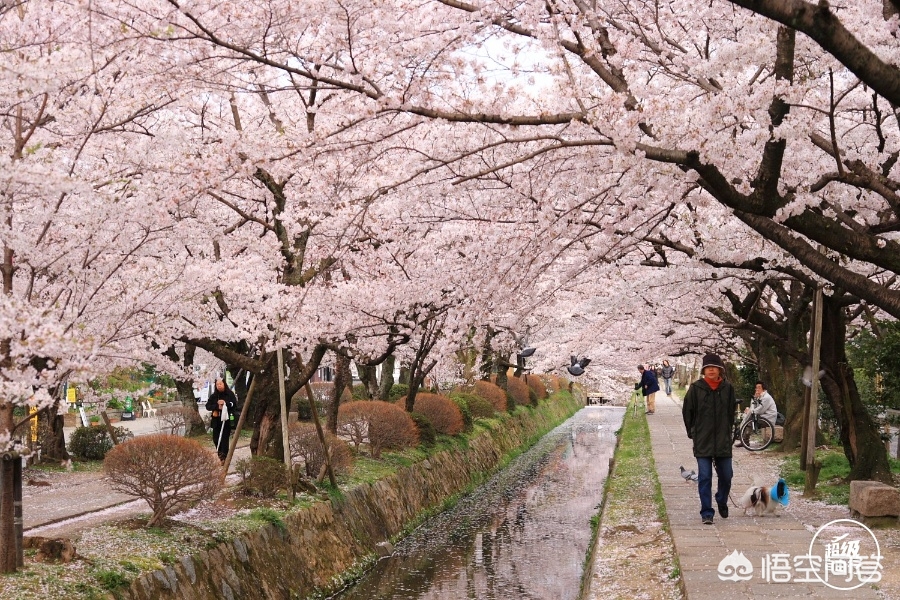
[(284, 419), (811, 410)]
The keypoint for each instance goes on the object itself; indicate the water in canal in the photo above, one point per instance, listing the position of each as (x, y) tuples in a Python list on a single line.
[(522, 535)]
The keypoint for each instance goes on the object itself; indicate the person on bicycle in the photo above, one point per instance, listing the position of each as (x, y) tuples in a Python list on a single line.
[(708, 413), (763, 405)]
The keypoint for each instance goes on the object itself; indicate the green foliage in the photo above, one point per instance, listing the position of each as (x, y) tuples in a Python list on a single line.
[(876, 363), (270, 516), (463, 406), (832, 486), (90, 443), (114, 404), (111, 580), (398, 390), (745, 382), (427, 434), (359, 392)]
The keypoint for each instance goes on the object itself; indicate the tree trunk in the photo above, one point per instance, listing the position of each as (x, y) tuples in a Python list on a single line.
[(860, 436), (781, 373), (184, 392), (342, 378), (7, 510), (387, 378), (369, 380), (266, 414)]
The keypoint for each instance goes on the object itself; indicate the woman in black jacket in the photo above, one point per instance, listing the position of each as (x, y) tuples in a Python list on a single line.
[(708, 413), (221, 405)]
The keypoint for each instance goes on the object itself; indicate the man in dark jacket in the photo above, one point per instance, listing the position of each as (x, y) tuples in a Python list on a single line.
[(649, 387), (708, 413)]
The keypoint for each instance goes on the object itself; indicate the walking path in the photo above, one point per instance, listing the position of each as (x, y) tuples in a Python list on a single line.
[(700, 548)]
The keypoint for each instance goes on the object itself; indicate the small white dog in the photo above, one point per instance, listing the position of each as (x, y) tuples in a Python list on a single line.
[(759, 498)]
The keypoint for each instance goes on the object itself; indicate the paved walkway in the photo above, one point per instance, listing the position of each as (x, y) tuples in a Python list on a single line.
[(700, 548)]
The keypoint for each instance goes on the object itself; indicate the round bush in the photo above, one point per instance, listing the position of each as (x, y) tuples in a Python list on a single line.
[(519, 391), (398, 390), (90, 443), (427, 434), (167, 471), (492, 393), (383, 425), (537, 386), (441, 411), (306, 446)]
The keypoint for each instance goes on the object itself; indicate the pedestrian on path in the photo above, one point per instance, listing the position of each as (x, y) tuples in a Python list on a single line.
[(668, 371), (221, 405), (649, 387), (708, 413)]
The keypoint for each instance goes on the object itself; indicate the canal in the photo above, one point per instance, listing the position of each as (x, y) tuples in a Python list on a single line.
[(524, 534)]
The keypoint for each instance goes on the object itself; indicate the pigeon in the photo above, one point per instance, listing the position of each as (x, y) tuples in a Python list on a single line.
[(575, 370), (688, 475), (526, 352)]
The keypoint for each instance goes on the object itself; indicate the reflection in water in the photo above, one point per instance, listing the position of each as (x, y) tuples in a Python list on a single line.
[(524, 534)]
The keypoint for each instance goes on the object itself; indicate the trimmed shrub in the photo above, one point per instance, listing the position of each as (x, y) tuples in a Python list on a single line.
[(306, 446), (262, 476), (492, 393), (519, 391), (441, 411), (479, 408), (427, 434), (537, 386), (383, 425), (168, 472), (90, 443), (359, 392), (555, 384), (398, 390)]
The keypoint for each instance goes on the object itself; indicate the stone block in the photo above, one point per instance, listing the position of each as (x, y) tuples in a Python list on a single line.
[(779, 433), (874, 499)]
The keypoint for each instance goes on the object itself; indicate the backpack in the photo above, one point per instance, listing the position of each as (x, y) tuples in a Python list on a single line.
[(779, 419)]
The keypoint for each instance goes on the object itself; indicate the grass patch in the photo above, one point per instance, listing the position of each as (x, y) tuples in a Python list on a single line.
[(832, 486)]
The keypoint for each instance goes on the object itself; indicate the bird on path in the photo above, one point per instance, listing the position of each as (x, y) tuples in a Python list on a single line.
[(688, 475)]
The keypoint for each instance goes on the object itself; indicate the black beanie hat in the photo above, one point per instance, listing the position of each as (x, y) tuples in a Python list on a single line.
[(712, 360)]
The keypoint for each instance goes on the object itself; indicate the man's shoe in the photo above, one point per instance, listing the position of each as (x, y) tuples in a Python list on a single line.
[(723, 511), (707, 520)]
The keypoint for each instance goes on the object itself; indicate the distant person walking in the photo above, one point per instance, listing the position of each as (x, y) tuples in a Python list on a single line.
[(668, 372), (649, 386), (221, 405), (708, 413)]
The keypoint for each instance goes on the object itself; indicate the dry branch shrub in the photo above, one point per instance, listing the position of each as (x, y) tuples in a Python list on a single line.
[(306, 447), (386, 425), (264, 476), (168, 472), (519, 391), (537, 386), (174, 420), (492, 393), (443, 414), (353, 423)]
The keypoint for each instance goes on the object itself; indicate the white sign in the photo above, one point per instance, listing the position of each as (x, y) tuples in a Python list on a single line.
[(84, 419)]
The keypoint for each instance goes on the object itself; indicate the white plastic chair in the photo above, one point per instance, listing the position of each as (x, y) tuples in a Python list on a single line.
[(149, 411)]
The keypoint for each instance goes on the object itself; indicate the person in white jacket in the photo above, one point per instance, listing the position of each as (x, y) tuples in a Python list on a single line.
[(764, 407)]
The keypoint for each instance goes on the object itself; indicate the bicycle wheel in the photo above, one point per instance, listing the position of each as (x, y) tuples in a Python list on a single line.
[(757, 434)]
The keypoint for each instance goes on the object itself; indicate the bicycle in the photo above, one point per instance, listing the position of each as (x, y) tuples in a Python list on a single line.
[(757, 433)]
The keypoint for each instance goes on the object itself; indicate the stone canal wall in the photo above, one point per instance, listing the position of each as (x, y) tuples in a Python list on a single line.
[(322, 542)]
